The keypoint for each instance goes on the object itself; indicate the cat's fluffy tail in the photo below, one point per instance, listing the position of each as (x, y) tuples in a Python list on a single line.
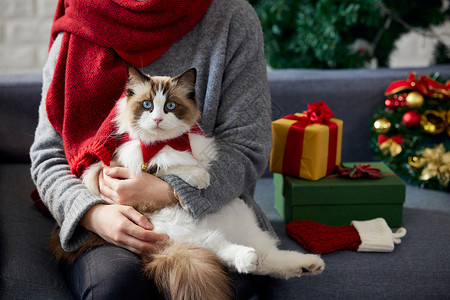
[(183, 271)]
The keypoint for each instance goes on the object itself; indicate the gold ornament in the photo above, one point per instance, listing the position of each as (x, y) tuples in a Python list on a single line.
[(437, 162), (382, 125), (390, 145), (415, 161), (433, 121), (414, 99)]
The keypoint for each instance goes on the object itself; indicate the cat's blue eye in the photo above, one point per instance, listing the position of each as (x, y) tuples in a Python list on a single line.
[(147, 104), (171, 105)]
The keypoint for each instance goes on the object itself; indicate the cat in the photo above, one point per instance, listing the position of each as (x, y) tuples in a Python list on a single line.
[(194, 264)]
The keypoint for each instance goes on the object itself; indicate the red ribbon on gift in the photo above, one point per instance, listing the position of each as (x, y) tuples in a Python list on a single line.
[(360, 171), (317, 113), (424, 85)]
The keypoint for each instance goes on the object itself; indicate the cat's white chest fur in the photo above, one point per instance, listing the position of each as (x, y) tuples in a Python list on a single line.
[(191, 167)]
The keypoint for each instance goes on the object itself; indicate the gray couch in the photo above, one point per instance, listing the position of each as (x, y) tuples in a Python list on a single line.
[(419, 268)]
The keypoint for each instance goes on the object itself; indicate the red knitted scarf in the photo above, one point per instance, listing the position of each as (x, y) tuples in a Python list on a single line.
[(100, 37)]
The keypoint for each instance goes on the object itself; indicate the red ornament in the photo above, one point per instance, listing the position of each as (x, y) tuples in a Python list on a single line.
[(397, 100), (411, 119), (389, 103)]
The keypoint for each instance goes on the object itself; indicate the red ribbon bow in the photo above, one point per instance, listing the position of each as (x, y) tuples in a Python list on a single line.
[(396, 138), (181, 143), (318, 113), (360, 171), (425, 85), (390, 145)]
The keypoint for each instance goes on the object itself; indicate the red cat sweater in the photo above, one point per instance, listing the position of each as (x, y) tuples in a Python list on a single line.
[(100, 38)]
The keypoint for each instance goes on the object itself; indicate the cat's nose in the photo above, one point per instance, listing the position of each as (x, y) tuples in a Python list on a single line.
[(157, 121)]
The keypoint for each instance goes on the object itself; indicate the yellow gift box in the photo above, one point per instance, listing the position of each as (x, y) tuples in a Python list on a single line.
[(313, 151)]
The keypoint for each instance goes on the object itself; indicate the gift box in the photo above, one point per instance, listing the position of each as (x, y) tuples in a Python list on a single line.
[(307, 145), (337, 201)]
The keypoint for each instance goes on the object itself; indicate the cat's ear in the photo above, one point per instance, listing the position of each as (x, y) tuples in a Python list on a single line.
[(135, 77), (188, 78)]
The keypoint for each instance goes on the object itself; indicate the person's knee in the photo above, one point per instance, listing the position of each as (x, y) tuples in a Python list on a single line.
[(109, 272)]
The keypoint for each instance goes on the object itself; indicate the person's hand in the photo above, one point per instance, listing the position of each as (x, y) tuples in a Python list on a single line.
[(123, 226), (118, 185)]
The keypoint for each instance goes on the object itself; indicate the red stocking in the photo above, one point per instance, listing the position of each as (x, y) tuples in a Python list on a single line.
[(366, 236)]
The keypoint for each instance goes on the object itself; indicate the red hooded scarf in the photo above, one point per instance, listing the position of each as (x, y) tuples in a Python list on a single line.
[(100, 38)]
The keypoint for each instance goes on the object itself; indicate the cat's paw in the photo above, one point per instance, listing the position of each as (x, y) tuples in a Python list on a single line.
[(288, 264), (314, 265), (246, 260), (305, 264), (198, 178), (90, 178)]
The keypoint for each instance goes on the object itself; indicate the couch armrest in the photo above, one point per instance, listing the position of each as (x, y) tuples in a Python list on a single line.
[(20, 95)]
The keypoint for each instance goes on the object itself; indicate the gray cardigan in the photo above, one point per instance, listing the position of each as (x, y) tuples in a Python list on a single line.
[(226, 48)]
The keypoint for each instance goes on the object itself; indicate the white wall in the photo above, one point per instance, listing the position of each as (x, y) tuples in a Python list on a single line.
[(24, 34)]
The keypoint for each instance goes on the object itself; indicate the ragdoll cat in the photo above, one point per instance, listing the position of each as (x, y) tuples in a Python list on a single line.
[(193, 263)]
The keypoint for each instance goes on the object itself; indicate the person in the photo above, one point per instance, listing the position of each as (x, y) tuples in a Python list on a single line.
[(85, 74)]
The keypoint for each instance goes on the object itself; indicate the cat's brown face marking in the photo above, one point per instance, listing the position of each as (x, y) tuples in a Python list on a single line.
[(161, 106)]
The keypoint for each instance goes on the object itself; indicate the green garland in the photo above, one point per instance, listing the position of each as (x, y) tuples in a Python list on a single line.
[(410, 163)]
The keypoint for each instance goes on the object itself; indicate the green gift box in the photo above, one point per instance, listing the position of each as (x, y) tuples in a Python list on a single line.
[(337, 201)]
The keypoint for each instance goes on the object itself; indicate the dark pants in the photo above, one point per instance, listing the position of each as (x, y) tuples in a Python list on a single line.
[(110, 272)]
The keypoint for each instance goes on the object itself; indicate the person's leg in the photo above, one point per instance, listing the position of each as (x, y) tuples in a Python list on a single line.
[(109, 272), (250, 287)]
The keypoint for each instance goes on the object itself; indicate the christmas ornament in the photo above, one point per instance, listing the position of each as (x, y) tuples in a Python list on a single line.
[(415, 99), (382, 125), (361, 46), (425, 85), (433, 122), (390, 145), (437, 164), (397, 100), (363, 236), (405, 100), (415, 161), (389, 103), (411, 119)]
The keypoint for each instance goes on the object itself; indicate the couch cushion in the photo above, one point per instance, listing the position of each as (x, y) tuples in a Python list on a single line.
[(27, 269), (418, 268)]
